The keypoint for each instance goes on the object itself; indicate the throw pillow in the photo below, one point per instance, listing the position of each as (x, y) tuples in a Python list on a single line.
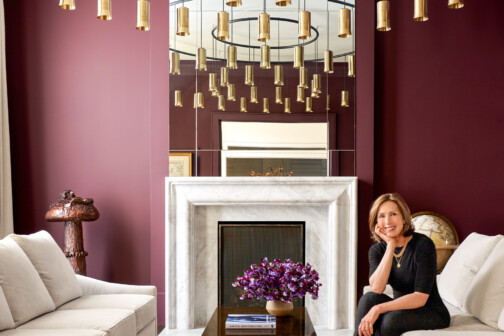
[(463, 265), (51, 264), (485, 297), (6, 321), (24, 291)]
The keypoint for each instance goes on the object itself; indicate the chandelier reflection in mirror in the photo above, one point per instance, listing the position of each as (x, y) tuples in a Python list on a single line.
[(276, 62)]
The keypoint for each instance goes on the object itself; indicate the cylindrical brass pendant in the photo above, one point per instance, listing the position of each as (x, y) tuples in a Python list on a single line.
[(455, 4), (253, 94), (234, 3), (243, 104), (212, 81), (67, 4), (223, 25), (314, 93), (178, 98), (183, 21), (199, 101), (351, 65), (328, 105), (265, 57), (283, 3), (266, 105), (344, 99), (309, 104), (104, 10), (317, 80), (420, 11), (231, 92), (300, 94), (278, 95), (304, 25), (175, 63), (232, 62), (298, 57), (249, 75), (224, 75), (279, 75), (143, 15), (383, 15), (303, 77), (344, 23), (264, 27), (201, 60), (216, 92), (221, 103), (287, 105), (328, 62)]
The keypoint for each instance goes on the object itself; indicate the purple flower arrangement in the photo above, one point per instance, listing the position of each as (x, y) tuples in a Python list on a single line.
[(278, 280)]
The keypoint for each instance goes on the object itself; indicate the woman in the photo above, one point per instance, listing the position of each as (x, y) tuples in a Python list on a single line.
[(407, 261)]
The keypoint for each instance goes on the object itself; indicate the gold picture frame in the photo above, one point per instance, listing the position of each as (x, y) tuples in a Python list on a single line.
[(180, 164)]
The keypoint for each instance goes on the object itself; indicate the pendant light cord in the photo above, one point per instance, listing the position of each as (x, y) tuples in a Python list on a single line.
[(327, 24), (249, 41), (201, 23)]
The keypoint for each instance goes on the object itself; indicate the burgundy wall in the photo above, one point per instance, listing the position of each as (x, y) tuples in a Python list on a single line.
[(439, 112), (87, 114), (89, 108)]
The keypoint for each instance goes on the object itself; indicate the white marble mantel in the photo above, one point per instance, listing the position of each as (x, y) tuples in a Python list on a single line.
[(194, 205)]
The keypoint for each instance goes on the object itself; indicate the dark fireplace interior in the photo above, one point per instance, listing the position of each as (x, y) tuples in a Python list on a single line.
[(244, 243)]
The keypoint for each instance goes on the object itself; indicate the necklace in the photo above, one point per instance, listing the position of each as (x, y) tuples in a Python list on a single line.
[(398, 257)]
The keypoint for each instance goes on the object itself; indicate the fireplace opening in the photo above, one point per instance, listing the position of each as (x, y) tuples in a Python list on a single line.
[(241, 244)]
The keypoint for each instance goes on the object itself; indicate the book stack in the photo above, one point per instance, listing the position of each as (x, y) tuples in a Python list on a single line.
[(250, 324)]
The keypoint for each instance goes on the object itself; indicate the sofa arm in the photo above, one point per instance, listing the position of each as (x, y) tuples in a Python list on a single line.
[(388, 290), (92, 286)]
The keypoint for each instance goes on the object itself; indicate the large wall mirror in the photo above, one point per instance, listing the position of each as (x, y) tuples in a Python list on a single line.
[(240, 108)]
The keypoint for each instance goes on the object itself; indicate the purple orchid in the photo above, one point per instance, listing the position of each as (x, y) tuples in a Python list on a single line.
[(278, 280)]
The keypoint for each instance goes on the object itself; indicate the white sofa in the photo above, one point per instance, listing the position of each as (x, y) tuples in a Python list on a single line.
[(472, 288), (40, 295)]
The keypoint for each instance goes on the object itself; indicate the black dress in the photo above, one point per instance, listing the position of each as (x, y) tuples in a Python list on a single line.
[(416, 274)]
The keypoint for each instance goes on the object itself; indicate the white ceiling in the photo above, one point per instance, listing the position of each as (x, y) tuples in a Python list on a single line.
[(251, 8)]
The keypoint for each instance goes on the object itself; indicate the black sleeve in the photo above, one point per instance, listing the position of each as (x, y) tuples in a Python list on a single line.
[(426, 265), (376, 253)]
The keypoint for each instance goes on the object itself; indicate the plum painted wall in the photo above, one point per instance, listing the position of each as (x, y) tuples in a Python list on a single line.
[(89, 110), (88, 114)]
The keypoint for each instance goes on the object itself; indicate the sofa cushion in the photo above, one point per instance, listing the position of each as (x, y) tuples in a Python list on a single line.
[(485, 297), (144, 306), (442, 332), (24, 291), (51, 264), (115, 322), (6, 320), (463, 265), (53, 332), (464, 321)]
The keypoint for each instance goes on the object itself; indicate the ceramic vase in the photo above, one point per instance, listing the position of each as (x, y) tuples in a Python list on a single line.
[(279, 308)]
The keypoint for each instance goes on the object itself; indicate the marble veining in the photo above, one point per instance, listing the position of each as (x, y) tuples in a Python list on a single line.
[(194, 206)]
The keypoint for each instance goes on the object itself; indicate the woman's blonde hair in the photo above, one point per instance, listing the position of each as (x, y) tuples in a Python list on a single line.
[(408, 228)]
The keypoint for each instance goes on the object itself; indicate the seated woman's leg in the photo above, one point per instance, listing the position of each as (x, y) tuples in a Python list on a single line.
[(366, 302), (397, 322)]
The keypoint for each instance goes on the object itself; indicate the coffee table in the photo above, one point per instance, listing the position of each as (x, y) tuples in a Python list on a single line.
[(297, 323)]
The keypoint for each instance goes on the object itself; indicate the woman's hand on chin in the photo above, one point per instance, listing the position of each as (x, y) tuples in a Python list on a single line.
[(381, 232)]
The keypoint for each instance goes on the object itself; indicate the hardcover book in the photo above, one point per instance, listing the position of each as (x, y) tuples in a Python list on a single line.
[(250, 332), (251, 321)]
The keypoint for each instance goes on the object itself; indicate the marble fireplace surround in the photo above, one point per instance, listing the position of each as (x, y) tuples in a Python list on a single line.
[(194, 205)]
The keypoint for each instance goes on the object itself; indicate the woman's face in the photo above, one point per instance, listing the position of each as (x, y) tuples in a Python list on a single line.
[(390, 219)]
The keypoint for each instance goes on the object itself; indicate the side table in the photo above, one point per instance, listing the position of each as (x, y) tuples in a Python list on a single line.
[(298, 323)]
